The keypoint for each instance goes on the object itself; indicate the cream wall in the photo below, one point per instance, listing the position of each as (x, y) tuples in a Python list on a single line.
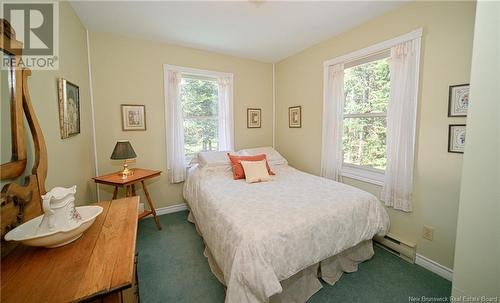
[(70, 160), (446, 54), (477, 270), (127, 70)]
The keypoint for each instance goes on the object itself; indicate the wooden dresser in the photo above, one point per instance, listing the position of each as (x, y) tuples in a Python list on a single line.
[(98, 267)]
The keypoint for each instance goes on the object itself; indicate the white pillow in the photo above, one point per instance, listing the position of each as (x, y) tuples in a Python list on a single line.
[(255, 171), (273, 157), (213, 159)]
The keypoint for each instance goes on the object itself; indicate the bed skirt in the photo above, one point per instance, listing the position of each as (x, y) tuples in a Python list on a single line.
[(301, 286)]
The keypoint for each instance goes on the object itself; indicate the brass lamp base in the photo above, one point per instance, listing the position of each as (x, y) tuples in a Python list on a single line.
[(126, 172)]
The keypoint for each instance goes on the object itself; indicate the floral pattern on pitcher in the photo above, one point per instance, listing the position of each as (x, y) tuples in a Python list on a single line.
[(75, 215)]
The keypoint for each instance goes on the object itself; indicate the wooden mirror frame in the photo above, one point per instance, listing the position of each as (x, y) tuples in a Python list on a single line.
[(20, 203)]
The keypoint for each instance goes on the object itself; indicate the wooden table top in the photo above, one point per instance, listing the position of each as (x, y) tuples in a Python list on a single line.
[(101, 261), (116, 178)]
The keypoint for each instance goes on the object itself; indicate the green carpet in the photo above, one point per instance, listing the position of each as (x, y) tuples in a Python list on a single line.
[(172, 268)]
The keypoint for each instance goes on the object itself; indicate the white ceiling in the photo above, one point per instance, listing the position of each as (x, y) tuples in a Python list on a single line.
[(263, 30)]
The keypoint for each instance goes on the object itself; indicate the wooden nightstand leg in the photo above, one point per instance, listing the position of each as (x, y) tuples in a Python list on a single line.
[(115, 193), (133, 190), (127, 191), (150, 203)]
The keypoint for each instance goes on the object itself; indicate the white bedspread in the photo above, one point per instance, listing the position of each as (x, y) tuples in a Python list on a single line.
[(262, 233)]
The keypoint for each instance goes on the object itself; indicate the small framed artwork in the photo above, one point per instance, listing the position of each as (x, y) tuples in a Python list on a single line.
[(458, 100), (253, 117), (295, 117), (69, 108), (133, 117), (456, 138)]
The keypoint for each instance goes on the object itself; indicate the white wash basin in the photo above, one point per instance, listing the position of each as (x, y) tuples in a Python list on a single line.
[(28, 233)]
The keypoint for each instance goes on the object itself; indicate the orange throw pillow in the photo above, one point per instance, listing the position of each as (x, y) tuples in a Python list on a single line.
[(238, 172)]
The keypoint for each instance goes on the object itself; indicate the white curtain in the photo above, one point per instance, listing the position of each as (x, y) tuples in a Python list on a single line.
[(226, 128), (175, 129), (333, 110), (401, 120)]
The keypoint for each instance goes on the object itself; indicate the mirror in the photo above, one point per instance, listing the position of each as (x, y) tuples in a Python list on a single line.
[(7, 85), (13, 151)]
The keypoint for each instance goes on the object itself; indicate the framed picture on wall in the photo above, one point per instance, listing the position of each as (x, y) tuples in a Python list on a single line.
[(133, 117), (253, 117), (69, 108), (456, 138), (458, 100), (295, 117)]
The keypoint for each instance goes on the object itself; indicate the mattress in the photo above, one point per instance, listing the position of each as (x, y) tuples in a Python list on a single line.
[(263, 233)]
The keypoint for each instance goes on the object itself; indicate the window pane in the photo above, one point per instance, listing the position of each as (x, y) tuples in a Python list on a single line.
[(200, 135), (199, 103), (366, 87), (364, 141), (199, 97)]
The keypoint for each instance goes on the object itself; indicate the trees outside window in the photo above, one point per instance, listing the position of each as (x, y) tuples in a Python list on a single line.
[(199, 100), (366, 88)]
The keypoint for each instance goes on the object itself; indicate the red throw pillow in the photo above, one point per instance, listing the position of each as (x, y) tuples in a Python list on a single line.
[(238, 172)]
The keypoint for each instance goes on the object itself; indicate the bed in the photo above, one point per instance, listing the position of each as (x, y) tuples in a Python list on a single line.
[(270, 241)]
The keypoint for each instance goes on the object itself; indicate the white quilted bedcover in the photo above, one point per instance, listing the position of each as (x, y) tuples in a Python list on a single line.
[(262, 233)]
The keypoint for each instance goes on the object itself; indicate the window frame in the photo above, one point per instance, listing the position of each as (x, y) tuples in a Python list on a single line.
[(193, 73), (358, 172)]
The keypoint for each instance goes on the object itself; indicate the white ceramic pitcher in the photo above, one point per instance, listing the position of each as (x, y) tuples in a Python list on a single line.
[(59, 210)]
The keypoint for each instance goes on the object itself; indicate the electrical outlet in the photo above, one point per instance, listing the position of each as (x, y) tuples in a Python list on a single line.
[(428, 232)]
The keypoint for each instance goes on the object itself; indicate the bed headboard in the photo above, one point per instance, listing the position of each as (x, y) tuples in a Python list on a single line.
[(22, 188)]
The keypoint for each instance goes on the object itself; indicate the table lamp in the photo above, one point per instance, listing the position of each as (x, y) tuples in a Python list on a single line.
[(124, 151)]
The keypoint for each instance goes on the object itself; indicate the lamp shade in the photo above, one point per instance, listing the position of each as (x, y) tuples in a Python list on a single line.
[(123, 150)]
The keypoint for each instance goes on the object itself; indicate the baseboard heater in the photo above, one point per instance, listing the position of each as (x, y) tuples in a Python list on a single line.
[(405, 250)]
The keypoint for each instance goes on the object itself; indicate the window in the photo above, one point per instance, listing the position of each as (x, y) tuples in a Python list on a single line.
[(366, 89), (369, 116), (198, 115), (199, 99)]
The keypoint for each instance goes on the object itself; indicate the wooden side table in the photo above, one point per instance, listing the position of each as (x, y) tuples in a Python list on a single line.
[(139, 175), (97, 267)]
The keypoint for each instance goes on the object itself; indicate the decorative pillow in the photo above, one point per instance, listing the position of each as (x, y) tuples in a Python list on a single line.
[(238, 172), (273, 157), (255, 171), (213, 158)]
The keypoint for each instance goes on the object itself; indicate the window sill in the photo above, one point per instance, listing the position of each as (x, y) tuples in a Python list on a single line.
[(360, 173)]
